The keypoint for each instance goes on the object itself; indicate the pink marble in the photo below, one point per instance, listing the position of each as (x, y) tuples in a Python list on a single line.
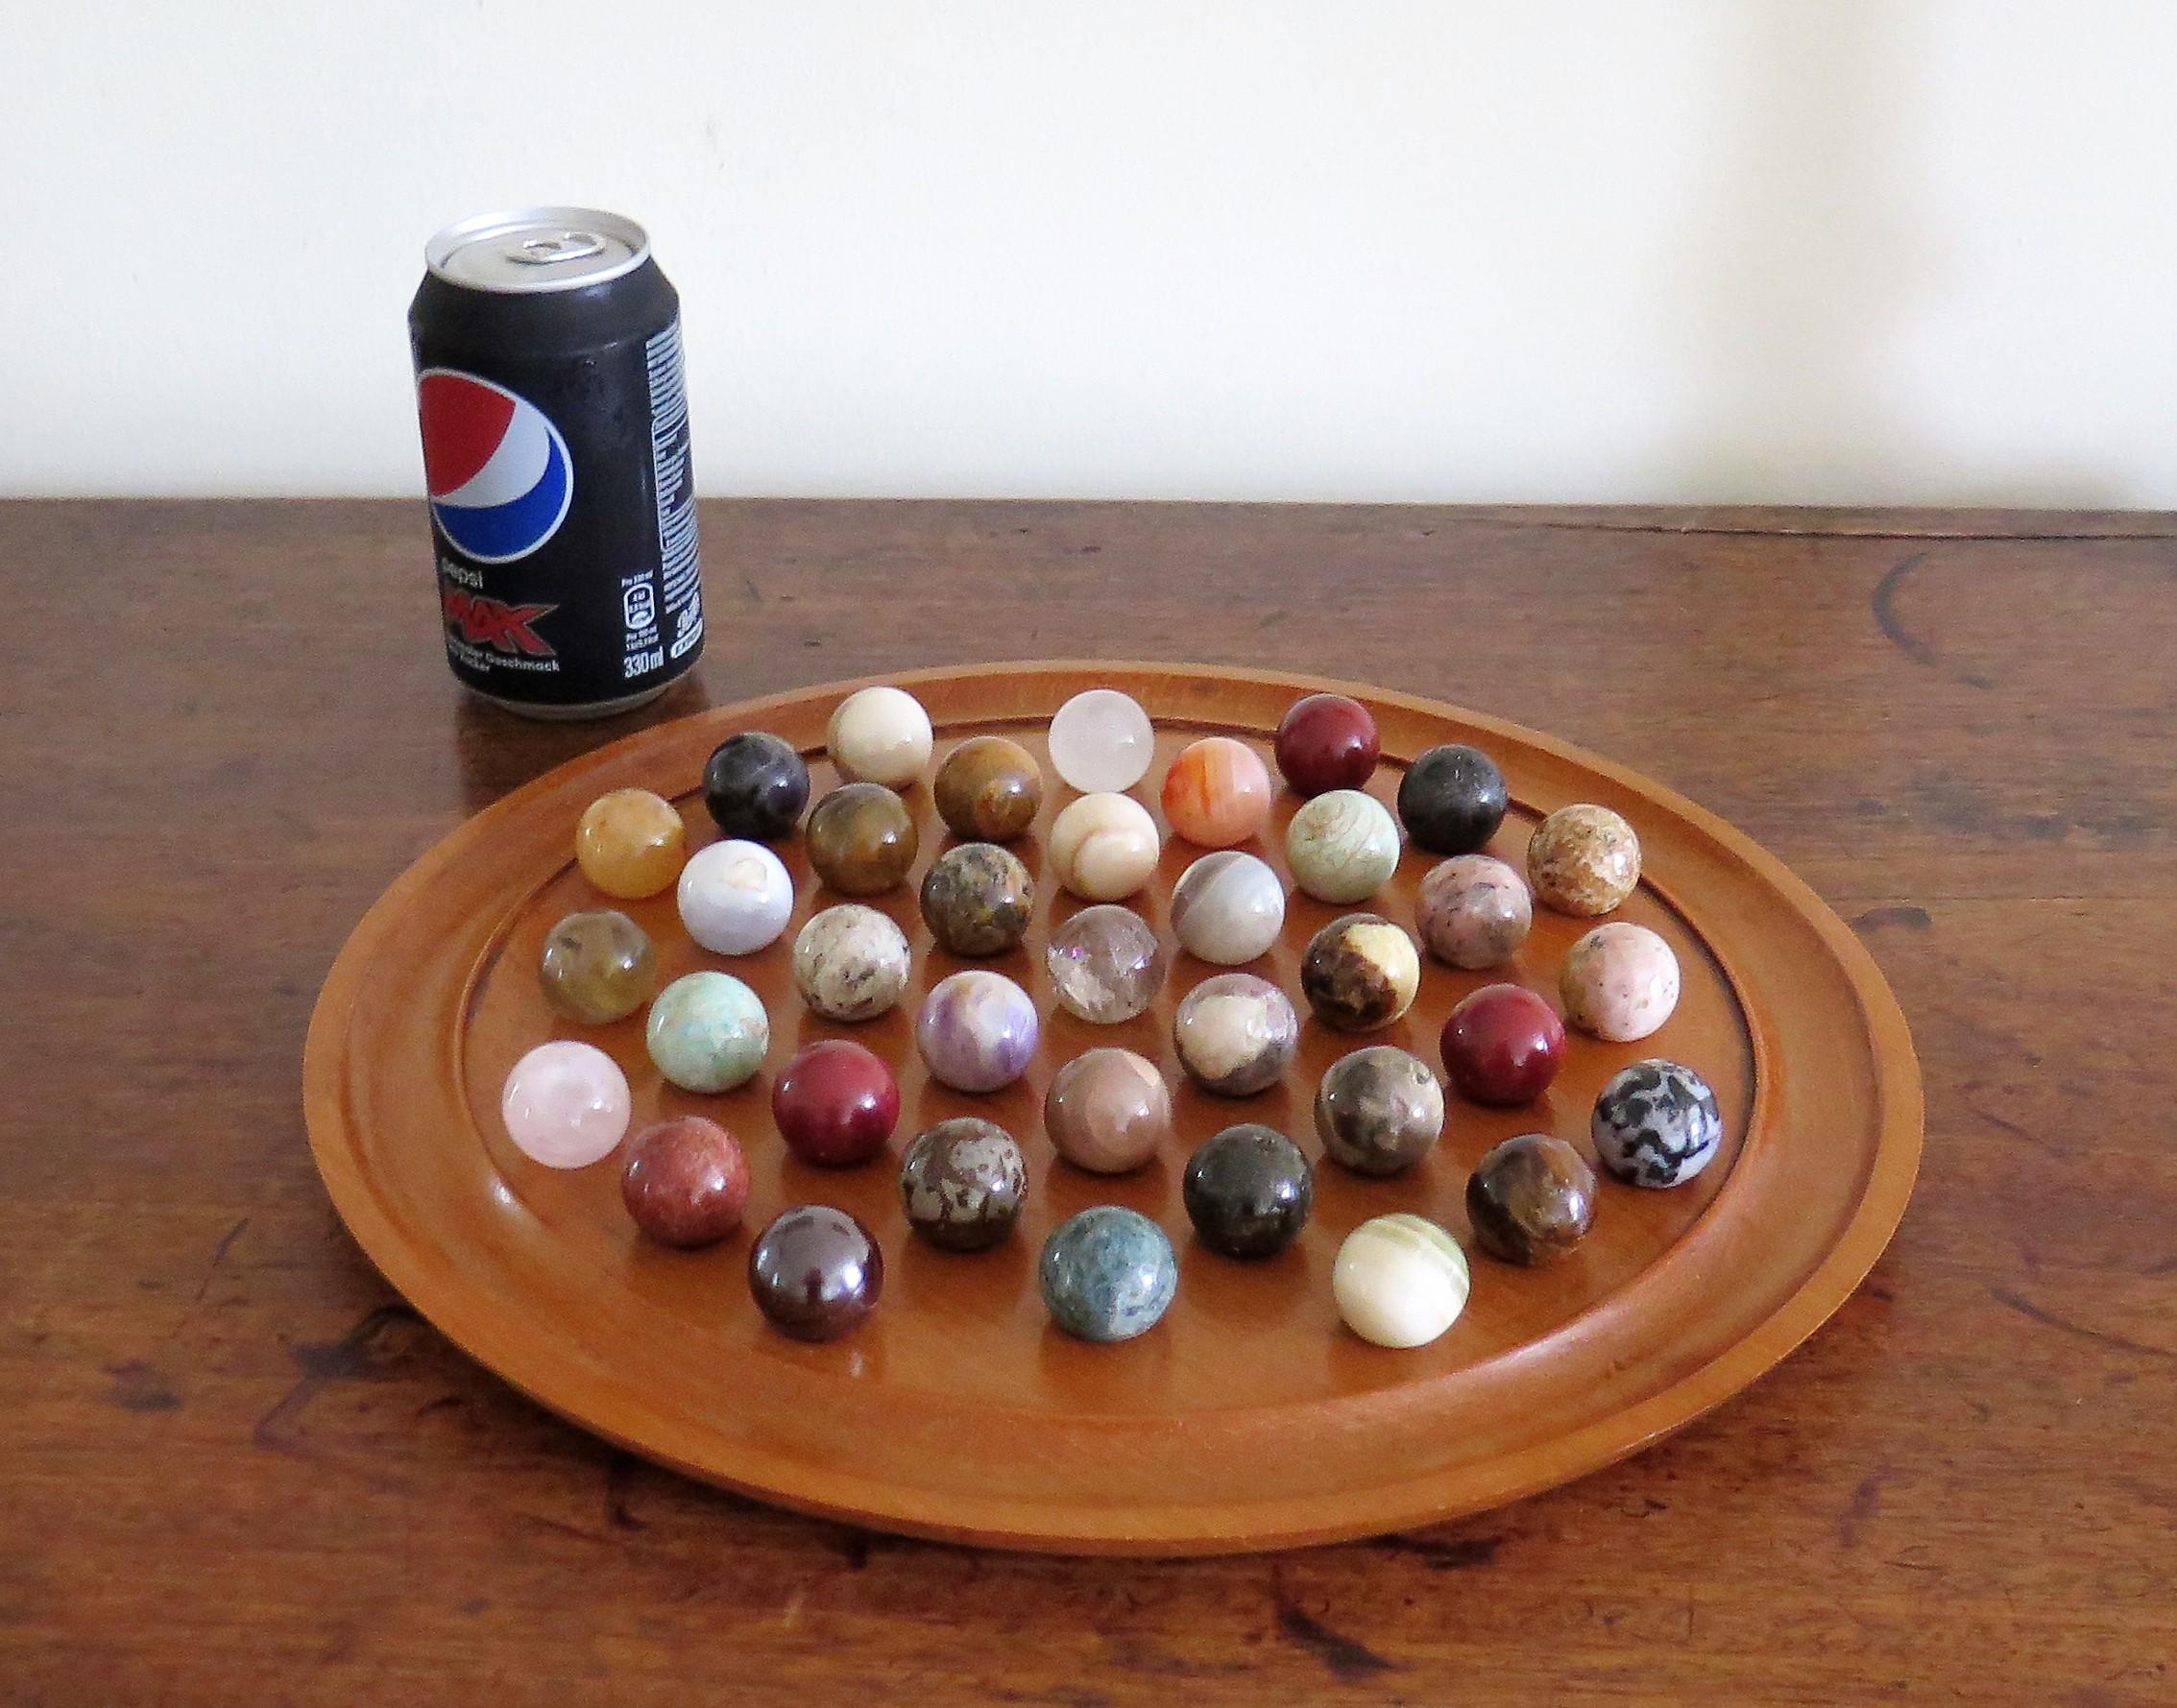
[(1619, 982), (565, 1104)]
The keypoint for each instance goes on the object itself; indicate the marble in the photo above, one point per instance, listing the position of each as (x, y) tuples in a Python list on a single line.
[(708, 1032), (1473, 912), (1217, 792), (1452, 799), (1108, 1111), (1106, 964), (978, 899), (977, 1032), (988, 789), (1656, 1124), (962, 1183), (1101, 742), (1582, 860), (685, 1182), (880, 736), (1326, 741), (565, 1104), (1342, 847), (1619, 982), (1360, 973), (862, 839), (1502, 1046), (1227, 908), (1379, 1110), (597, 967), (735, 898), (631, 843), (1531, 1199), (851, 963), (815, 1272), (1235, 1034), (1104, 847), (835, 1104), (1247, 1190), (1399, 1281), (755, 786), (1107, 1274)]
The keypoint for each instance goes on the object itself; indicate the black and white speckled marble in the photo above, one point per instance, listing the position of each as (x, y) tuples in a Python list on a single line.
[(1656, 1124)]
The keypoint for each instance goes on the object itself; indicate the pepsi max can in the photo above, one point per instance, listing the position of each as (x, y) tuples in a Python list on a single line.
[(556, 454)]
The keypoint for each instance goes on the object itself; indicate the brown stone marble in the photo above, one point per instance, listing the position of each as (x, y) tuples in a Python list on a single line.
[(988, 789), (1531, 1199), (977, 900), (862, 839)]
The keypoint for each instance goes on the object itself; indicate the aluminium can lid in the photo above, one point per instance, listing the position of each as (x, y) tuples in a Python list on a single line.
[(518, 250)]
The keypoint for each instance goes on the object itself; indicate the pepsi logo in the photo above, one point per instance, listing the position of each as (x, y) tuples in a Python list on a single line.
[(499, 477)]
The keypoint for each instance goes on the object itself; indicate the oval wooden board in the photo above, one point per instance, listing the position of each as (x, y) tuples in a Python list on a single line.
[(1249, 1418)]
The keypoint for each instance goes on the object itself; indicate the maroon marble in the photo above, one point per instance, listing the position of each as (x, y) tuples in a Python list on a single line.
[(815, 1272), (836, 1103), (1327, 741), (684, 1181), (1503, 1045)]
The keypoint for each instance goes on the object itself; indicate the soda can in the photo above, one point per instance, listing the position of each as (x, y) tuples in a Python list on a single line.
[(556, 454)]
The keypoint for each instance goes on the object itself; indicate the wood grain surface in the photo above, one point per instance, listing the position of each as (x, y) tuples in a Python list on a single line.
[(235, 1468)]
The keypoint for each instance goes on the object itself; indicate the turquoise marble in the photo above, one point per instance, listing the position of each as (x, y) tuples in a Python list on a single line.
[(708, 1032), (1107, 1273)]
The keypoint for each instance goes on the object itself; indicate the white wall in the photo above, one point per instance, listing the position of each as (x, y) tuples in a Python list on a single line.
[(1708, 250)]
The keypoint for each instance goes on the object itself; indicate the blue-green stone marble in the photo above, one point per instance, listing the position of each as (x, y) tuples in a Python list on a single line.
[(1107, 1273), (708, 1032)]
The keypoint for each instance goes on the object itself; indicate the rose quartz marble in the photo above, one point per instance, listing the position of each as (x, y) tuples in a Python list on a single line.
[(565, 1104)]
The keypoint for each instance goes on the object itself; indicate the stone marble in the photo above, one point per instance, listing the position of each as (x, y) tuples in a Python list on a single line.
[(1473, 912), (988, 789), (1360, 973), (1102, 741), (1247, 1190), (1452, 799), (1656, 1124), (1326, 741), (1235, 1034), (1582, 860), (1531, 1199), (735, 898), (1227, 908), (835, 1104), (1342, 847), (1619, 982), (851, 962), (978, 899), (962, 1183), (815, 1272), (1104, 847), (862, 839), (631, 843), (1217, 792), (1502, 1044), (684, 1181), (1107, 1274), (1379, 1110), (977, 1032), (565, 1104), (1399, 1281), (880, 736), (755, 786), (1106, 964), (708, 1032), (597, 967), (1108, 1111)]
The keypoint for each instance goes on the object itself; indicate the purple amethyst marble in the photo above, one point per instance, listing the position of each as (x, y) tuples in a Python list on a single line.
[(977, 1032)]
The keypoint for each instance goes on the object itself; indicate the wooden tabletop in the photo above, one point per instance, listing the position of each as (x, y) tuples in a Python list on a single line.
[(234, 1467)]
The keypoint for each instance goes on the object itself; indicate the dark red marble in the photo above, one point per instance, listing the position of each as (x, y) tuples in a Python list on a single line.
[(1503, 1045), (1327, 741), (684, 1181), (815, 1272), (835, 1103)]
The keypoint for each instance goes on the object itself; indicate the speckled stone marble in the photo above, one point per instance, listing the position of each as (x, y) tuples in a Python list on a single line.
[(976, 1031), (1342, 847), (988, 789), (851, 962), (1107, 1274), (597, 967), (1531, 1199), (1452, 799), (1247, 1190), (961, 1184), (1473, 912), (1227, 908), (1582, 860), (862, 839), (1379, 1110), (1360, 973), (1619, 982), (880, 736), (708, 1032), (1108, 1111), (630, 843), (565, 1104), (1399, 1281), (685, 1182), (815, 1272), (1235, 1034), (1104, 847), (735, 897), (1106, 964), (977, 900), (1656, 1124), (1102, 741)]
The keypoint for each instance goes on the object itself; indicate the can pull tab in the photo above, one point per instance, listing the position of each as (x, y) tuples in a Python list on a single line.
[(548, 248)]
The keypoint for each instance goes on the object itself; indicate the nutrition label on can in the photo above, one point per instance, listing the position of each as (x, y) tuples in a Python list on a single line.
[(679, 626)]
